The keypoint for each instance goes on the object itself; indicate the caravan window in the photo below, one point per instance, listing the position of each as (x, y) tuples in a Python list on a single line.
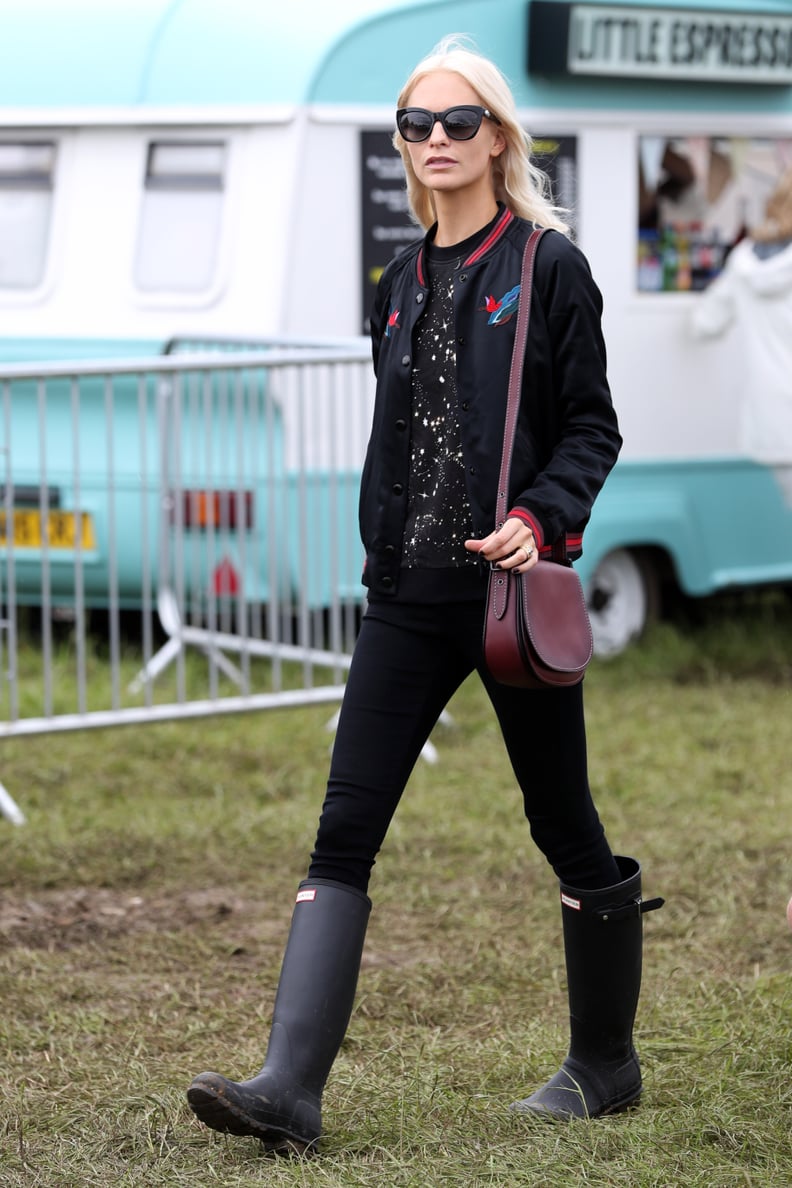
[(180, 220), (697, 197), (27, 172)]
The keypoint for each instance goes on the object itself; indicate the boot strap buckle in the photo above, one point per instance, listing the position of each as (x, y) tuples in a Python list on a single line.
[(637, 907)]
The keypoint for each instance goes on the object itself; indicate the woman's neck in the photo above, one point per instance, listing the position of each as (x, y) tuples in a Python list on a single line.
[(459, 220)]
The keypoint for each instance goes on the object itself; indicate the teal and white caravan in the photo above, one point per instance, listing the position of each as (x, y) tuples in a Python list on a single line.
[(196, 169)]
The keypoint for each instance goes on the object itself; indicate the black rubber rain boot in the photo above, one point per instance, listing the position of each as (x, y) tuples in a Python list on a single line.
[(603, 944), (282, 1105)]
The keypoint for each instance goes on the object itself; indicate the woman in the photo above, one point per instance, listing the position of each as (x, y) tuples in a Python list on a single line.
[(752, 297), (442, 332)]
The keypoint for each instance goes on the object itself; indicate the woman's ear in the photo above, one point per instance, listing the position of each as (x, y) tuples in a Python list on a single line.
[(498, 144)]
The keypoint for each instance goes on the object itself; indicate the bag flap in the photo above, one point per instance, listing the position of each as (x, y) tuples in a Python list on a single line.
[(556, 617)]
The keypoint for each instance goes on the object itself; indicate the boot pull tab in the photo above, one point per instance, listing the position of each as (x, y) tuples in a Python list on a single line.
[(638, 907)]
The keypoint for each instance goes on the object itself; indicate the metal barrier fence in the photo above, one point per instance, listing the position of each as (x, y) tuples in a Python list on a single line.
[(161, 516)]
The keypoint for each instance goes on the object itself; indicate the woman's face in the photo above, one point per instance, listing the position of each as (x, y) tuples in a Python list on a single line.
[(446, 165)]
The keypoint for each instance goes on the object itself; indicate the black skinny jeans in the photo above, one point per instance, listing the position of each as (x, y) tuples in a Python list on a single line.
[(408, 661)]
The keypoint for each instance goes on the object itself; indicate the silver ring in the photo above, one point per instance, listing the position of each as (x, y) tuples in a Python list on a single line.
[(528, 552)]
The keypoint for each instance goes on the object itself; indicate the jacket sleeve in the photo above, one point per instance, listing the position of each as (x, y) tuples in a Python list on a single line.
[(379, 311), (585, 427), (716, 308)]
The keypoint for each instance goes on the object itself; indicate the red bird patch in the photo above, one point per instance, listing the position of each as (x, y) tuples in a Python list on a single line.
[(393, 322)]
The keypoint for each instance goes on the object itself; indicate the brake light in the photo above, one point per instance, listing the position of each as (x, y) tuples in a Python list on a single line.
[(220, 510)]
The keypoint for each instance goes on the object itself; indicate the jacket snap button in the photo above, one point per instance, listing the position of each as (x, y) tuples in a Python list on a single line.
[(406, 360), (397, 488), (419, 298), (472, 470), (463, 276), (389, 550), (401, 425), (465, 405), (387, 582)]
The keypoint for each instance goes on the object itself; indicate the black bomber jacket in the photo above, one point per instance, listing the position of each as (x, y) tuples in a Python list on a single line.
[(567, 437)]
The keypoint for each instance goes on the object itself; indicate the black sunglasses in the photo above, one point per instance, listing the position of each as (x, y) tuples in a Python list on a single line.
[(459, 123)]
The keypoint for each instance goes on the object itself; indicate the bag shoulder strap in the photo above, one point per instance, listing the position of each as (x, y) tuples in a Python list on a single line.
[(516, 370), (515, 385)]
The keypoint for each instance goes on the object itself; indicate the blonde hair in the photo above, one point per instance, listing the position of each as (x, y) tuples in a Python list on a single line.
[(518, 183), (777, 224)]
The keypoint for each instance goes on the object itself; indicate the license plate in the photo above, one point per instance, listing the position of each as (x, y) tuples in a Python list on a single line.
[(58, 529)]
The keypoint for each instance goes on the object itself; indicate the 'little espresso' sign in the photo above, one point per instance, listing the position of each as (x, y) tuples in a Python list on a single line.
[(683, 43)]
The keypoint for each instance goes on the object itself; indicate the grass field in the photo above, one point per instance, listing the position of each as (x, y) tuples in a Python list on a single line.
[(144, 906)]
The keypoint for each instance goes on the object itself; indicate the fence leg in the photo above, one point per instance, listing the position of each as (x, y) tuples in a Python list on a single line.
[(10, 809), (171, 649), (157, 664)]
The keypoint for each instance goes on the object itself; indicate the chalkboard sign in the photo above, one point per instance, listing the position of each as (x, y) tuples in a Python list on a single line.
[(386, 226)]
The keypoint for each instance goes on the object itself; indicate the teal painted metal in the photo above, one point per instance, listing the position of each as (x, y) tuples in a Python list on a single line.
[(147, 53), (100, 454), (106, 452), (43, 350), (722, 522), (379, 55), (163, 52), (322, 509)]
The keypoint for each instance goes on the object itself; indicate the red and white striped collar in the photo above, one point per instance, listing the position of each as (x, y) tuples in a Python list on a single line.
[(506, 217)]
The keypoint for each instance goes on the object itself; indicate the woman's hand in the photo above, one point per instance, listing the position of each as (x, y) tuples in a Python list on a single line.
[(511, 547)]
